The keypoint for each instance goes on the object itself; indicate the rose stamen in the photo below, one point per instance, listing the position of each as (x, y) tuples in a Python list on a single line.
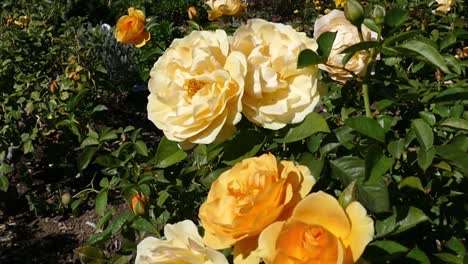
[(193, 86)]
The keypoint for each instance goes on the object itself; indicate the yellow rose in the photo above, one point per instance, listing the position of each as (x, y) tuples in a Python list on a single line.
[(130, 29), (196, 88), (347, 35), (445, 5), (276, 92), (183, 244), (319, 231), (219, 8), (247, 198)]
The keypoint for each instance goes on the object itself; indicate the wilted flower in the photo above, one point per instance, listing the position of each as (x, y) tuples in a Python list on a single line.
[(347, 35), (130, 29), (183, 244)]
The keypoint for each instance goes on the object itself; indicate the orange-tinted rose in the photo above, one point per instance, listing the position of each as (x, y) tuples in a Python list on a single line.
[(138, 203), (319, 231), (247, 198), (219, 8), (130, 28)]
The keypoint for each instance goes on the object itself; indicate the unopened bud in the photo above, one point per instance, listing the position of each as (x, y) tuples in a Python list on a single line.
[(354, 12), (138, 204), (192, 13), (53, 86), (66, 198), (379, 14)]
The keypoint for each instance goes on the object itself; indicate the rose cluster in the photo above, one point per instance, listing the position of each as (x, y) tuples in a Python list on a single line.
[(205, 82), (263, 210)]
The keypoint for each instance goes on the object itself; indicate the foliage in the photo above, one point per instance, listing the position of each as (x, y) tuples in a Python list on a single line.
[(395, 139)]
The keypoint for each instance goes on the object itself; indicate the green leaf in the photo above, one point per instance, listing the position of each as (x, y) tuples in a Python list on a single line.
[(449, 258), (385, 226), (411, 182), (108, 161), (313, 123), (376, 163), (455, 155), (162, 197), (373, 194), (423, 133), (101, 202), (91, 255), (86, 156), (426, 51), (402, 36), (5, 169), (391, 247), (414, 217), (99, 108), (418, 255), (396, 17), (396, 148), (4, 183), (350, 51), (168, 153), (367, 126), (208, 180), (89, 141), (144, 225), (425, 157), (325, 43), (315, 165), (308, 58), (347, 169), (455, 122), (141, 148), (348, 195), (457, 246), (245, 144)]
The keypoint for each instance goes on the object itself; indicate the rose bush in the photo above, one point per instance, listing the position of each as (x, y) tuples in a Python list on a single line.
[(276, 92), (319, 231), (130, 29), (347, 35), (247, 198), (196, 89), (183, 244)]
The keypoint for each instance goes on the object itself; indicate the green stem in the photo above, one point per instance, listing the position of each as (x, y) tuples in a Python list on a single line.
[(365, 94)]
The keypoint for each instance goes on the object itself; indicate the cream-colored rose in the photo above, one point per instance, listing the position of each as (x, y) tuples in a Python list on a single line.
[(183, 244), (247, 198), (276, 92), (445, 5), (319, 231), (347, 35), (219, 8), (196, 88)]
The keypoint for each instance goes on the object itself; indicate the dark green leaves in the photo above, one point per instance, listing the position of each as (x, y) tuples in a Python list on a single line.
[(396, 17), (367, 126), (168, 153), (307, 58), (244, 145), (313, 123), (426, 51), (423, 133), (325, 42)]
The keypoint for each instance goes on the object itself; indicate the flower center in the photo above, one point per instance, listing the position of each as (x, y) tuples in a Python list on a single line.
[(193, 86)]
